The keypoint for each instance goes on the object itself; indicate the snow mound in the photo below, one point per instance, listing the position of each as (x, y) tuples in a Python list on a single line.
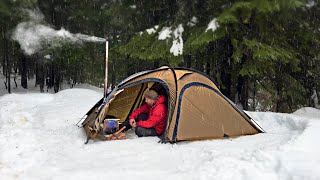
[(308, 111)]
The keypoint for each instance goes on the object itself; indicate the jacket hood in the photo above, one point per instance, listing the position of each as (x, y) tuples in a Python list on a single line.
[(161, 100)]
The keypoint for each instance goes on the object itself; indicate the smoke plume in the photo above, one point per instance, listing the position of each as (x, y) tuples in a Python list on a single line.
[(35, 35)]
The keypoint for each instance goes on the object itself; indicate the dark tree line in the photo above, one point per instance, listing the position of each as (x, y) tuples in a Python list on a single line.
[(263, 53)]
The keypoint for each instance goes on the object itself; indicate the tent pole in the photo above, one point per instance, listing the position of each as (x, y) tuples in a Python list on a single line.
[(106, 70)]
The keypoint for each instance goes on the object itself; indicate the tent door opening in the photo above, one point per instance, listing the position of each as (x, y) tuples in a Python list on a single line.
[(131, 98)]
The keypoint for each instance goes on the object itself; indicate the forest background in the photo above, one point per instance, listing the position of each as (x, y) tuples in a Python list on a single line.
[(263, 54)]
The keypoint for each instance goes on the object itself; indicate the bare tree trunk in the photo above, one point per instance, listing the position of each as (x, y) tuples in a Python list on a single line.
[(254, 96), (4, 66), (208, 68), (57, 77), (41, 79), (226, 80), (227, 76), (198, 63), (4, 59), (5, 84), (15, 67), (242, 91), (113, 74), (233, 87), (315, 99), (8, 67), (15, 82), (23, 70), (8, 75), (50, 78), (279, 87), (187, 61), (156, 64)]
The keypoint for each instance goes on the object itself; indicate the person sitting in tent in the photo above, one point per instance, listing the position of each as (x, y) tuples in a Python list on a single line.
[(150, 118)]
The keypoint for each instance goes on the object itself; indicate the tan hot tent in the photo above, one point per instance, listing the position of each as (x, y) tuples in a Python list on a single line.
[(196, 107)]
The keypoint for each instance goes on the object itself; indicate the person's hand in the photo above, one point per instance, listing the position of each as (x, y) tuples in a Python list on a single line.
[(132, 121)]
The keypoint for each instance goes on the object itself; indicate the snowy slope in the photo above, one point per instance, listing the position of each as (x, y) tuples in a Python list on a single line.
[(39, 140)]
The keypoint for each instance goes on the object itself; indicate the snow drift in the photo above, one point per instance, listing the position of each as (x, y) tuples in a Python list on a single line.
[(39, 140)]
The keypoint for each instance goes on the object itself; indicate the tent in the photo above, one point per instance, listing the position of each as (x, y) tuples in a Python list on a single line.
[(196, 108)]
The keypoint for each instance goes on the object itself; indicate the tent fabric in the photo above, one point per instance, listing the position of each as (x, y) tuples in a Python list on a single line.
[(164, 75), (124, 102), (196, 107), (195, 118)]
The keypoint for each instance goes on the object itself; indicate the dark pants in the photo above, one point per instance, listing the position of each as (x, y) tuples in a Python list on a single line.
[(140, 131)]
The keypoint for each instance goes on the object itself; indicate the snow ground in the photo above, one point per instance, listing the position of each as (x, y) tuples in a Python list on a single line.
[(39, 140)]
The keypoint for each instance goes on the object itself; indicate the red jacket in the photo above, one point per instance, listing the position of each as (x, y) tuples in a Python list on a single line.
[(157, 115)]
